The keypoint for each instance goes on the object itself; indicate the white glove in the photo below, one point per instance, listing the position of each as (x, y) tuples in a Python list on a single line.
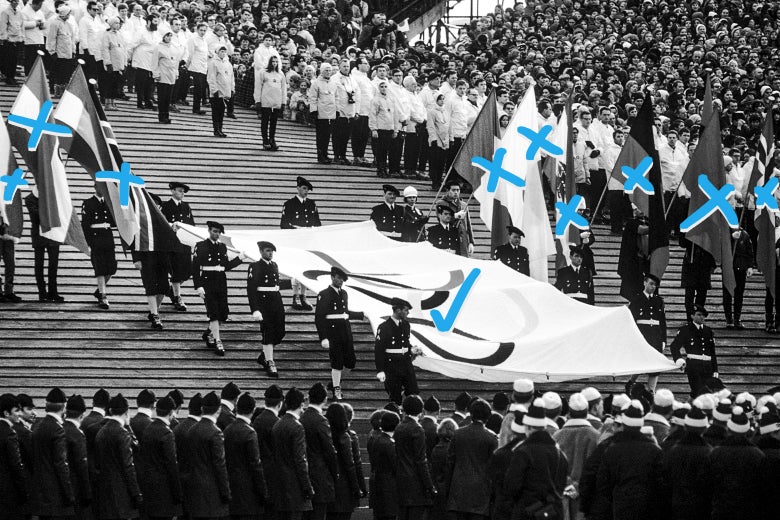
[(460, 214), (325, 343), (257, 316), (585, 234), (471, 249), (242, 256), (201, 292), (137, 265), (680, 363), (417, 351), (750, 272), (381, 376), (715, 374)]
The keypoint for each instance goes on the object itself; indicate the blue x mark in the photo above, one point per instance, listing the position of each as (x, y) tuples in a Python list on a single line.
[(636, 177), (496, 171), (124, 178), (539, 141), (39, 126), (568, 215), (765, 195), (12, 183), (718, 201)]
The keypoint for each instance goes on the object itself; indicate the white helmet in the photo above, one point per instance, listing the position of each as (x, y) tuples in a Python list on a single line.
[(410, 191)]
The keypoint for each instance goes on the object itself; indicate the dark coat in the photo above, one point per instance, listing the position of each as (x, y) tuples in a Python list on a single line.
[(33, 204), (593, 502), (630, 476), (96, 213), (321, 454), (430, 424), (181, 435), (385, 498), (501, 503), (537, 473), (118, 492), (415, 485), (263, 425), (158, 472), (735, 479), (715, 434), (570, 281), (468, 455), (337, 332), (686, 467), (358, 461), (697, 266), (264, 274), (771, 471), (76, 442), (644, 309), (292, 469), (447, 239), (247, 481), (226, 417), (138, 423), (51, 479), (388, 221), (180, 212), (414, 221), (13, 491), (209, 489), (208, 253), (347, 488), (297, 214), (514, 258), (24, 436), (440, 474), (494, 423)]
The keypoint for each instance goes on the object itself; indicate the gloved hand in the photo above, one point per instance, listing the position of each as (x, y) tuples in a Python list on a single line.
[(325, 343), (381, 377), (201, 292), (257, 316)]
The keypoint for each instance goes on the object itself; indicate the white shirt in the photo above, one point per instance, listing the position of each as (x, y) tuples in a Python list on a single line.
[(459, 115), (673, 164), (364, 86), (32, 34), (261, 57), (145, 411), (229, 405), (197, 54), (143, 49)]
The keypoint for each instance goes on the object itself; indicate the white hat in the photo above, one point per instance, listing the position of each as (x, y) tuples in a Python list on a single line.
[(763, 400), (578, 403), (591, 394), (535, 416), (620, 400), (705, 402), (647, 430), (634, 414), (739, 422), (523, 386), (551, 401), (663, 398), (410, 191), (744, 398), (696, 418), (63, 9)]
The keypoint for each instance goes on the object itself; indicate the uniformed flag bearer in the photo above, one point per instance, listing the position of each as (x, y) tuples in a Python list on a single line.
[(209, 263), (154, 267), (300, 212), (265, 303), (693, 350), (512, 254), (389, 217), (176, 210), (444, 235), (97, 222), (393, 353), (576, 280), (647, 308)]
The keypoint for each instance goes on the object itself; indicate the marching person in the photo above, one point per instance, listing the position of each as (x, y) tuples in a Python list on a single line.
[(144, 411), (227, 406), (461, 218), (332, 317), (320, 452), (444, 235), (209, 263), (512, 254), (576, 279), (13, 484), (97, 223), (647, 308), (385, 498), (221, 83), (8, 257), (181, 434), (158, 473), (154, 269), (347, 488), (742, 265), (699, 360), (43, 247), (263, 424), (209, 486), (300, 211), (413, 225), (387, 216), (265, 303), (272, 99), (696, 276), (242, 458), (393, 353), (176, 210)]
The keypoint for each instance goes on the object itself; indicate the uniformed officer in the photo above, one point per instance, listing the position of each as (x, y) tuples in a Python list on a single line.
[(389, 217), (647, 308), (154, 267), (696, 275), (265, 303), (413, 226), (209, 263), (512, 254), (176, 210), (13, 484), (393, 353), (693, 350), (300, 212), (76, 444), (332, 317), (97, 222), (158, 472), (444, 235), (576, 279)]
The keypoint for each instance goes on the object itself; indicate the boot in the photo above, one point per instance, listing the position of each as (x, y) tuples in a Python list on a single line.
[(220, 348), (305, 305), (156, 322), (295, 304)]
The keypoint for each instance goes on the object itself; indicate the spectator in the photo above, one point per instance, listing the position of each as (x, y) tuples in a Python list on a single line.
[(322, 106), (142, 49), (221, 84), (197, 65), (166, 68), (383, 123), (114, 54), (438, 126), (273, 96)]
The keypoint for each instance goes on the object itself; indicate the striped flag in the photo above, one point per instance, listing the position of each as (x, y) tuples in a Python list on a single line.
[(10, 212), (480, 142), (59, 221), (562, 137), (94, 146), (763, 169)]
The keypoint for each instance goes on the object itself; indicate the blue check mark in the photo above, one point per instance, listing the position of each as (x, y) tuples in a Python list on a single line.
[(445, 323)]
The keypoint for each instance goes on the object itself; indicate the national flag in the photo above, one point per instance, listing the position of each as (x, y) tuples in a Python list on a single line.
[(59, 222), (11, 212), (763, 169), (479, 142), (713, 234), (707, 109), (639, 145), (562, 137)]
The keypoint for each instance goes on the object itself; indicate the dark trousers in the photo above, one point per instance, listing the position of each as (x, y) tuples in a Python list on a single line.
[(164, 96), (323, 129), (341, 133), (693, 295), (438, 159), (182, 85), (396, 150), (382, 144), (453, 151), (62, 68), (360, 133), (102, 79), (319, 511), (739, 293), (9, 263), (413, 512), (584, 190), (9, 58), (598, 181), (772, 305), (400, 379), (114, 82), (619, 209), (676, 213), (199, 90), (268, 119), (422, 139), (30, 53), (411, 152), (218, 104), (697, 372), (130, 77), (89, 65), (143, 87), (53, 252)]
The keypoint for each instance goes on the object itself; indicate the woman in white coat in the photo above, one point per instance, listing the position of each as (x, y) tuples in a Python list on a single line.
[(273, 97)]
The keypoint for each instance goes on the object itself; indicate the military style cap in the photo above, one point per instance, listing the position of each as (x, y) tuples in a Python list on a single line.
[(194, 407), (301, 181), (516, 230), (165, 405), (317, 393), (274, 392), (651, 276), (263, 244), (56, 396), (432, 404), (177, 396), (398, 302), (463, 401), (246, 404), (216, 225), (390, 187), (230, 391), (443, 205), (76, 404), (118, 405), (176, 184), (100, 399), (211, 400), (146, 399), (701, 309), (336, 271)]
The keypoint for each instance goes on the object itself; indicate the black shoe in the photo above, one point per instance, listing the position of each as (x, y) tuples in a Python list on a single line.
[(208, 338), (150, 106), (179, 305), (295, 304), (738, 325), (199, 112), (156, 323), (267, 147), (222, 134), (337, 396), (324, 160), (165, 121), (274, 146), (55, 298), (43, 298), (262, 362), (271, 370), (220, 348), (12, 298), (729, 324), (149, 316), (96, 294), (231, 116), (103, 302), (305, 305)]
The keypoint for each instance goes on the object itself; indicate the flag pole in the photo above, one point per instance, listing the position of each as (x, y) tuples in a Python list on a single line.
[(595, 211), (436, 197)]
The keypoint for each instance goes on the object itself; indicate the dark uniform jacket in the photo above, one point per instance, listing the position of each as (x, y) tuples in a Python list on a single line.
[(430, 425), (414, 221), (468, 455), (180, 212), (294, 486), (32, 203), (414, 477), (686, 469), (445, 238), (634, 259), (697, 266), (264, 274), (13, 490), (96, 221), (501, 503), (650, 318), (494, 423), (771, 471), (118, 492), (77, 462), (336, 331), (321, 454), (51, 482), (263, 425), (389, 221), (158, 473), (24, 436), (385, 494), (226, 417), (593, 502), (91, 429), (209, 489), (736, 480), (513, 257), (580, 282), (389, 337), (297, 214), (715, 434), (247, 481), (699, 342), (139, 423), (441, 472), (347, 487), (208, 253), (181, 435), (358, 461)]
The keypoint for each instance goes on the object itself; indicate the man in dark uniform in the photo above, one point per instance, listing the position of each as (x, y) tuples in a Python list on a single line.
[(263, 425), (415, 486), (634, 259), (742, 267), (176, 210), (209, 263), (512, 254), (158, 474), (227, 405), (393, 353), (97, 223), (647, 308), (8, 257), (181, 437), (43, 246), (143, 416), (23, 429), (13, 482), (154, 267), (385, 498), (575, 279), (461, 413), (77, 455), (320, 452), (242, 458), (693, 350), (461, 217), (389, 217), (413, 225), (444, 235), (430, 423), (52, 492), (265, 303), (300, 212), (99, 407), (696, 275), (178, 400), (332, 320), (91, 425)]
